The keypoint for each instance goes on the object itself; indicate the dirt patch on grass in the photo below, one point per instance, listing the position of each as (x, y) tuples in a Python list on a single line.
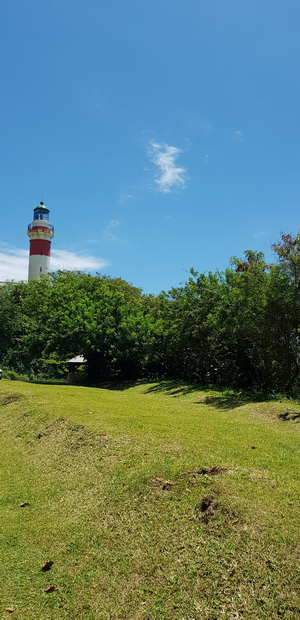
[(219, 511), (288, 416), (72, 435), (163, 485), (9, 398), (215, 470), (190, 478), (64, 447), (212, 471), (207, 507)]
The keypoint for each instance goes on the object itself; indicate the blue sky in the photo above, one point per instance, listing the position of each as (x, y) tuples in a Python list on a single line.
[(161, 134)]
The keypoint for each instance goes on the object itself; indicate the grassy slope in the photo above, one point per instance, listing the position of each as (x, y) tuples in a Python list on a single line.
[(115, 501)]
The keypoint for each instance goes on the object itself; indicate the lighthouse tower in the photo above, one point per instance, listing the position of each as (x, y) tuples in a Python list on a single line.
[(40, 233)]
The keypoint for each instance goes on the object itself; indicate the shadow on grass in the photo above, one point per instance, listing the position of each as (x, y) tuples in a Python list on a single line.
[(226, 399), (173, 388), (115, 386), (229, 400), (37, 381), (118, 386), (47, 381), (223, 399)]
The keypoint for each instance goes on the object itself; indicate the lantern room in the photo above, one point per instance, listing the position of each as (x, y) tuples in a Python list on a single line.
[(41, 212)]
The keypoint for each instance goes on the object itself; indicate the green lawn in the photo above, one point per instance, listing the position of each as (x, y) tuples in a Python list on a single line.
[(123, 499)]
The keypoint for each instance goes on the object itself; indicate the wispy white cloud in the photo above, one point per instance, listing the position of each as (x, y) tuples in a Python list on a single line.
[(258, 234), (205, 126), (188, 143), (109, 233), (14, 262), (125, 197), (114, 223), (169, 176), (197, 123), (238, 135), (63, 259)]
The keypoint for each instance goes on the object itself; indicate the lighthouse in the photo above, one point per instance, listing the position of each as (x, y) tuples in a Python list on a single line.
[(40, 233)]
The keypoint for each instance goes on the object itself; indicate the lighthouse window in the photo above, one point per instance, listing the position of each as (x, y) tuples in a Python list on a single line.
[(40, 216), (40, 269)]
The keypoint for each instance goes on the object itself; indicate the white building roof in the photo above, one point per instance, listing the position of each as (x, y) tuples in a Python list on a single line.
[(79, 359)]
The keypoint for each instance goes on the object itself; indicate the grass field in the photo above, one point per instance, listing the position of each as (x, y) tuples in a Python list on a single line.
[(153, 502)]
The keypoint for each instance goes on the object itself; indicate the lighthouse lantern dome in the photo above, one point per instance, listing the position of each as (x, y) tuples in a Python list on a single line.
[(41, 212)]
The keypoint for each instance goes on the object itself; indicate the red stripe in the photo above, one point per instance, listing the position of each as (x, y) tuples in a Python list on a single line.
[(45, 228), (39, 246)]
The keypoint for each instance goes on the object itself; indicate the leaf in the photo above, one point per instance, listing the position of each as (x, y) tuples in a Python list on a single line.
[(47, 565), (24, 504), (10, 609), (51, 589), (167, 485)]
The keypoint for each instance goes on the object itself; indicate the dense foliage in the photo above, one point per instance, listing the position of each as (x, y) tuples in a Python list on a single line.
[(238, 328)]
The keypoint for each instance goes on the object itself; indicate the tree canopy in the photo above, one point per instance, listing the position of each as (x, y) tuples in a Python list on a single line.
[(237, 328)]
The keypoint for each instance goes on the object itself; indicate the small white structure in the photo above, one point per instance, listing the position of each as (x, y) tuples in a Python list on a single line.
[(79, 359), (73, 366), (40, 233)]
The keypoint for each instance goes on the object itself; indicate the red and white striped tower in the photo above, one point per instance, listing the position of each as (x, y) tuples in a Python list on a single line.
[(40, 233)]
